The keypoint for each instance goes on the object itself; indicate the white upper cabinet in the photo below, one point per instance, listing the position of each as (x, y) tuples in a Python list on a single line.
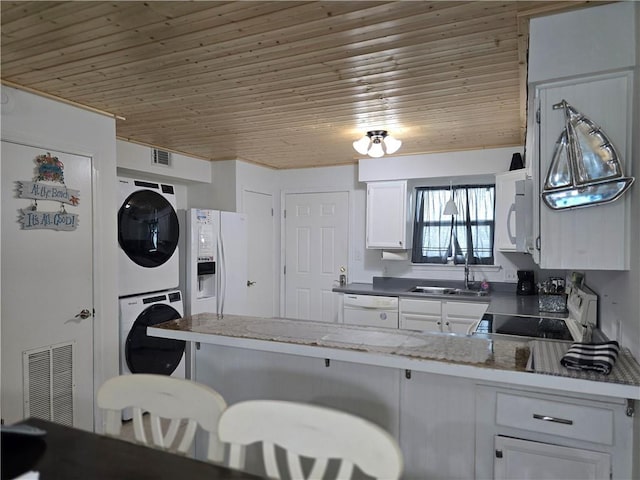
[(594, 237), (387, 219), (586, 58)]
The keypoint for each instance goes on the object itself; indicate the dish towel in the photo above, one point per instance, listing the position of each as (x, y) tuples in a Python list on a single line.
[(599, 357)]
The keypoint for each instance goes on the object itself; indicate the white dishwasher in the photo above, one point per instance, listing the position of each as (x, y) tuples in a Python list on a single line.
[(370, 310)]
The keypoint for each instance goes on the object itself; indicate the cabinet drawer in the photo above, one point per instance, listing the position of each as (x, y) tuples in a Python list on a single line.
[(427, 307), (426, 323), (466, 309), (555, 418)]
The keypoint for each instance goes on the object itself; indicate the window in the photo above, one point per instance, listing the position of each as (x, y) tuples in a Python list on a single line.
[(439, 238)]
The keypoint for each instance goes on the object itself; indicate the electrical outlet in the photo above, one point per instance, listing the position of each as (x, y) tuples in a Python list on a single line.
[(510, 276)]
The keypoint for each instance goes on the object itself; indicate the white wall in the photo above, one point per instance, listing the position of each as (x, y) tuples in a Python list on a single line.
[(39, 121), (596, 40), (486, 161), (620, 291), (135, 159), (364, 263), (583, 41)]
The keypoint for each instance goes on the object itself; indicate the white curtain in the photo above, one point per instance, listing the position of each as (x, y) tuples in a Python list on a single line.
[(438, 237)]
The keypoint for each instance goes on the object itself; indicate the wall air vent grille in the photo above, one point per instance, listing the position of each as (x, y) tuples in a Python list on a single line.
[(48, 383), (161, 157)]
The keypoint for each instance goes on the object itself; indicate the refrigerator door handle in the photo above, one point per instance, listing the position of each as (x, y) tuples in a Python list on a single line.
[(218, 274), (223, 276)]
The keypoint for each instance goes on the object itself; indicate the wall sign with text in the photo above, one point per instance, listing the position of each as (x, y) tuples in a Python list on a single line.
[(48, 185)]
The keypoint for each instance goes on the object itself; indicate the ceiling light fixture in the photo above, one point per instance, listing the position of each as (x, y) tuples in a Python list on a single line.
[(372, 144), (450, 207)]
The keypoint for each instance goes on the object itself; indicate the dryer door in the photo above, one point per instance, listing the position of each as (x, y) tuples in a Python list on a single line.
[(148, 228), (146, 354)]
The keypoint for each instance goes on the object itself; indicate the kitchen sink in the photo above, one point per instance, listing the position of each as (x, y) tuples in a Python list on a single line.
[(433, 290), (464, 292)]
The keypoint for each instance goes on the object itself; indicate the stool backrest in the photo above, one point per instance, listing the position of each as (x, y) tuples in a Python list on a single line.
[(310, 431), (179, 404)]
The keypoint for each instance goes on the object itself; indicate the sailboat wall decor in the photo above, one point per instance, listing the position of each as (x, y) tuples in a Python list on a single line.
[(585, 169)]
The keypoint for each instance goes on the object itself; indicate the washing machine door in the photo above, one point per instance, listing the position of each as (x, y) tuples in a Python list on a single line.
[(146, 354), (148, 228)]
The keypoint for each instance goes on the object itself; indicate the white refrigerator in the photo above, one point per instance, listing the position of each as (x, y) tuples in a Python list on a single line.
[(216, 270)]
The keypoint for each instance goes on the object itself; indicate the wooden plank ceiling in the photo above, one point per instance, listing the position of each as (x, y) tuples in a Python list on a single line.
[(282, 84)]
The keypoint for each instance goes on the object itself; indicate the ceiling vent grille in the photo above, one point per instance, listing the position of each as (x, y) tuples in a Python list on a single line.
[(48, 383), (161, 157)]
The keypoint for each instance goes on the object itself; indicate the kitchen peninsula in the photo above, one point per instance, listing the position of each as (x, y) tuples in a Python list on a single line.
[(447, 398)]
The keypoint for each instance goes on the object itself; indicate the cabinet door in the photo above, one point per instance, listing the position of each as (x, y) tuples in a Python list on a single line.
[(524, 459), (387, 215), (424, 315), (595, 237), (462, 317), (505, 210), (437, 427)]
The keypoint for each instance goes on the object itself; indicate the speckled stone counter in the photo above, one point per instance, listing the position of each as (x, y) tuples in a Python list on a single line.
[(496, 360)]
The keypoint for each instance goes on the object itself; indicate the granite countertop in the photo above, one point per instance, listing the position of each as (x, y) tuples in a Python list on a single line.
[(498, 360), (502, 297)]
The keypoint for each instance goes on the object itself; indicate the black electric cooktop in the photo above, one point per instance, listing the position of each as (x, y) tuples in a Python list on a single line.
[(536, 327)]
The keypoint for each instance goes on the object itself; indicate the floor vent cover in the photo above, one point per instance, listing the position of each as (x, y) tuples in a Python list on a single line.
[(48, 383)]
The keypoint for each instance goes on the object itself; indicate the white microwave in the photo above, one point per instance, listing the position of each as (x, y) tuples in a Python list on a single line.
[(524, 215)]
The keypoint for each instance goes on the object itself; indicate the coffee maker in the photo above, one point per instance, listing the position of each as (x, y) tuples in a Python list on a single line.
[(526, 283)]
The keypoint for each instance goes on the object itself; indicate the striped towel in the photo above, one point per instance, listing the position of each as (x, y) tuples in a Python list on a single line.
[(599, 357)]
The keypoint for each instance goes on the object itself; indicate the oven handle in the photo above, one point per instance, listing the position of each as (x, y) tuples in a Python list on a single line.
[(547, 418)]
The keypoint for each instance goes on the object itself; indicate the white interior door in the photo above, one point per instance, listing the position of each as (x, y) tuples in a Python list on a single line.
[(261, 292), (47, 280), (316, 247)]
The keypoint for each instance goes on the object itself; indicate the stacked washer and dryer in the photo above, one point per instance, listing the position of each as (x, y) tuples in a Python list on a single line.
[(148, 235)]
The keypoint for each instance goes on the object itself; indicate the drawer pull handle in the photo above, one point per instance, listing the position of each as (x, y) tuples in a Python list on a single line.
[(546, 418)]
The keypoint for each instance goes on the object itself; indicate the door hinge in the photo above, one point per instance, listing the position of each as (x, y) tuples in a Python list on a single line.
[(285, 270), (272, 212), (498, 453), (284, 213), (407, 374), (538, 115)]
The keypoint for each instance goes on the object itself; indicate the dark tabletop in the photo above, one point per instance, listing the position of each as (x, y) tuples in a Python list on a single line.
[(69, 453)]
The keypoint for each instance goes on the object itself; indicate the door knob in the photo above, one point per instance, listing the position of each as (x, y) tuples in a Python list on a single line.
[(249, 283), (84, 314)]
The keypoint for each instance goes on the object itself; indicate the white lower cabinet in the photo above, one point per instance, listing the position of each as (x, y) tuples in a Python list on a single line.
[(524, 460), (441, 315), (462, 317), (533, 435), (437, 427), (420, 314)]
